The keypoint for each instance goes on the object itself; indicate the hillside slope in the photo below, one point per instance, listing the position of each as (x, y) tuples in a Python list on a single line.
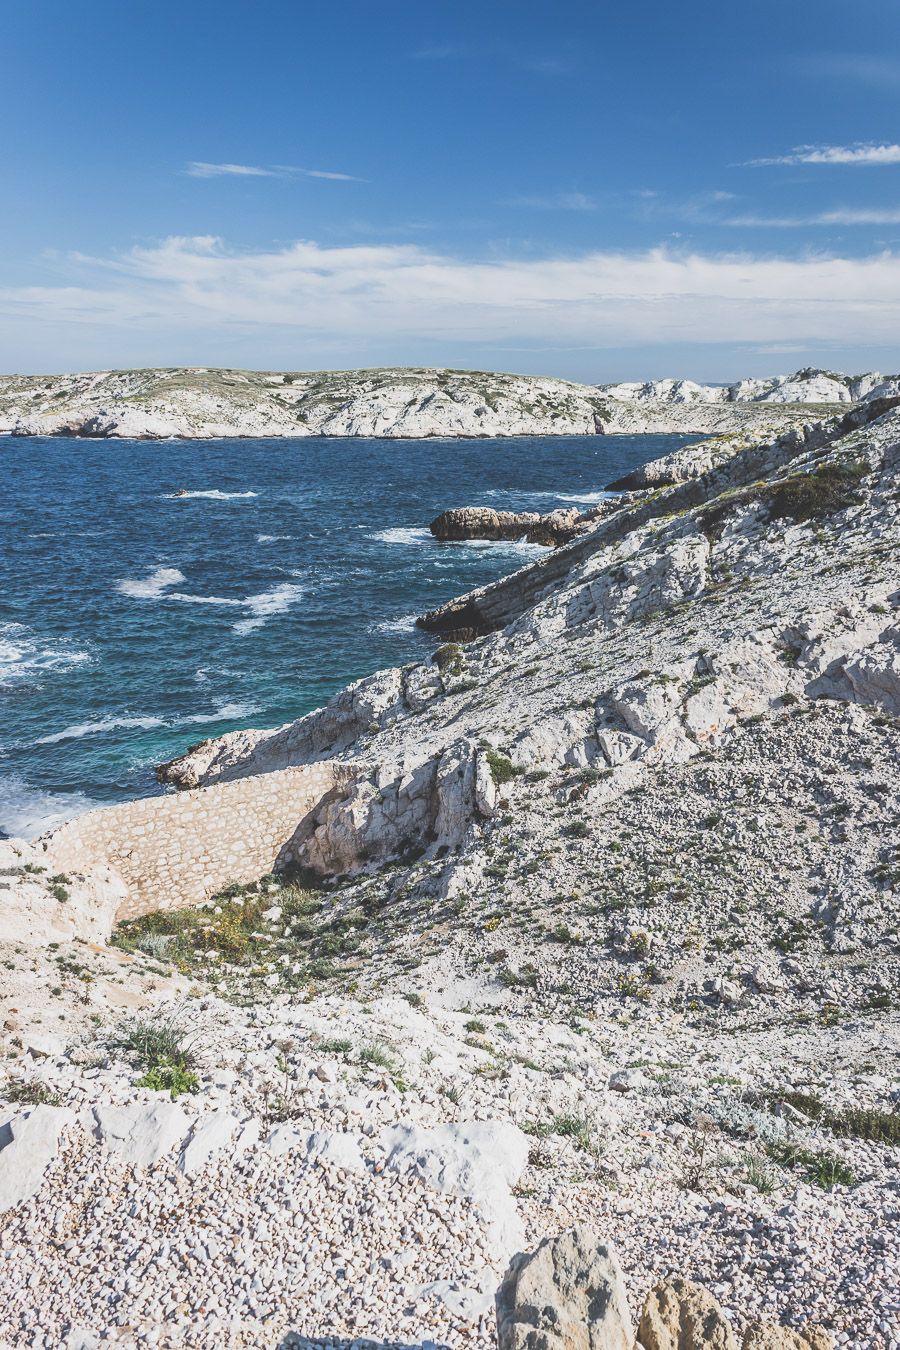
[(599, 927), (200, 402)]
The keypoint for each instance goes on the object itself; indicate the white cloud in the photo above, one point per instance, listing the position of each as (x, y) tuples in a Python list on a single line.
[(876, 71), (557, 201), (842, 215), (381, 294), (198, 168), (834, 154)]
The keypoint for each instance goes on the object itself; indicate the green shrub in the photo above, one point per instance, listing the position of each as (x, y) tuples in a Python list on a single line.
[(501, 767), (171, 1078), (162, 1045)]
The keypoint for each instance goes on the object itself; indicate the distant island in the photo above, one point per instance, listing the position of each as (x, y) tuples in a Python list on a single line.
[(201, 402)]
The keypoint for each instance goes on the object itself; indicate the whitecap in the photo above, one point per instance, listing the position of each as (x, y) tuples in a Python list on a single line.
[(267, 604), (153, 586), (26, 812), (202, 599), (22, 653), (588, 498), (405, 624), (272, 538), (518, 547), (97, 728), (403, 535), (213, 495), (228, 712)]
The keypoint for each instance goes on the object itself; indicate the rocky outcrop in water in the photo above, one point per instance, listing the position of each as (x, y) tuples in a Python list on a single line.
[(482, 522)]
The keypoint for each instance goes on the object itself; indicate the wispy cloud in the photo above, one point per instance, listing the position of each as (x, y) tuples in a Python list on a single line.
[(557, 201), (859, 153), (878, 72), (443, 51), (198, 168), (185, 288), (841, 216), (539, 63)]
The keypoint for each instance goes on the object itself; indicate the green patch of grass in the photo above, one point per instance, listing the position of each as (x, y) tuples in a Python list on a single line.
[(524, 978), (171, 1078), (161, 1044), (824, 490), (851, 1122), (30, 1094), (819, 1167), (564, 934), (377, 1056), (231, 927), (335, 1045)]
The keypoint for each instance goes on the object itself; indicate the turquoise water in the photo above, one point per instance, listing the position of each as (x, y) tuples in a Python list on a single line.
[(134, 621)]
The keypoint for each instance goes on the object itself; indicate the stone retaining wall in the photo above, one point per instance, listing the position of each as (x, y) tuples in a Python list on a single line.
[(179, 849)]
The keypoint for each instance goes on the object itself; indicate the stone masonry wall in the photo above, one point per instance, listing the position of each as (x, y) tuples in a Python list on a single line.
[(179, 849)]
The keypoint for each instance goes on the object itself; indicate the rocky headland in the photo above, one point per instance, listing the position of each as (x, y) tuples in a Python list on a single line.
[(200, 402), (590, 919)]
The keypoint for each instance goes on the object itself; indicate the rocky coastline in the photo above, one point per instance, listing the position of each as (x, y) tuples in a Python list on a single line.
[(201, 403), (572, 948)]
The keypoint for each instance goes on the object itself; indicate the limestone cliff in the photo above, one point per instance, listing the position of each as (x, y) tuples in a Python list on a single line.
[(199, 402)]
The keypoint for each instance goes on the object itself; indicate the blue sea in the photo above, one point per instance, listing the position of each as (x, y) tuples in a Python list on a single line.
[(135, 621)]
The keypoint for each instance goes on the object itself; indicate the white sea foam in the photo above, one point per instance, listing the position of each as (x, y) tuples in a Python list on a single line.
[(97, 728), (403, 535), (152, 587), (22, 653), (588, 498), (518, 547), (202, 599), (213, 495), (26, 812), (267, 604), (228, 712), (272, 538), (405, 624)]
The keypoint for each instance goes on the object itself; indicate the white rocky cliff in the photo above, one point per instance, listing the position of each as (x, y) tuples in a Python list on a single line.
[(201, 402), (589, 923)]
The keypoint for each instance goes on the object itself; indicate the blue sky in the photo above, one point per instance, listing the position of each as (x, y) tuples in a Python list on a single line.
[(587, 189)]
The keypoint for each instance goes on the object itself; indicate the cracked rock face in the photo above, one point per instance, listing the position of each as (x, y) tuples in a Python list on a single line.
[(641, 645), (202, 402), (567, 1295)]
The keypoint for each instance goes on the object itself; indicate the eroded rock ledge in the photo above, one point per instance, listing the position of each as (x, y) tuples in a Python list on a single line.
[(551, 528)]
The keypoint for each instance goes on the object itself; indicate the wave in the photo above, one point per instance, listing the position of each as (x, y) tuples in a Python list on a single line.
[(202, 599), (588, 498), (213, 495), (403, 535), (272, 538), (153, 586), (228, 712), (225, 712), (267, 604), (26, 812), (405, 624), (517, 547), (97, 728), (22, 653)]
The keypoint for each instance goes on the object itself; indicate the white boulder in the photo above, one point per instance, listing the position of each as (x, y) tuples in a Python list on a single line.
[(28, 1145)]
